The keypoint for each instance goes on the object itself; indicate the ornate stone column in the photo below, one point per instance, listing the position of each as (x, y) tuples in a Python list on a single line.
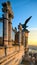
[(10, 14), (5, 31), (20, 34), (7, 17), (7, 27), (23, 38), (10, 32)]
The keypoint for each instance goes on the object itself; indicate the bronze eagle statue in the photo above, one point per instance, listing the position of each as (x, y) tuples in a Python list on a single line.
[(25, 24)]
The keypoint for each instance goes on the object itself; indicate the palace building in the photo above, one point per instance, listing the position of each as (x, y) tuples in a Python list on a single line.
[(13, 44)]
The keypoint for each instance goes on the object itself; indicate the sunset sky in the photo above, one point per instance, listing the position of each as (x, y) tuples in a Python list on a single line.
[(32, 39), (22, 9)]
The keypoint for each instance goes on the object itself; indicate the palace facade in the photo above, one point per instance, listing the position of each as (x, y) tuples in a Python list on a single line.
[(14, 43)]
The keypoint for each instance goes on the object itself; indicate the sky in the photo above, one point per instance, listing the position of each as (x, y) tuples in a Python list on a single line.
[(22, 9), (32, 39)]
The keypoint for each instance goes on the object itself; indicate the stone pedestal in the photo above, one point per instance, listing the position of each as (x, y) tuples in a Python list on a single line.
[(25, 42)]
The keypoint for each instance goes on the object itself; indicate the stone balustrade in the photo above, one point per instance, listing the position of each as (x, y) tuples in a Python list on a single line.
[(12, 58)]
